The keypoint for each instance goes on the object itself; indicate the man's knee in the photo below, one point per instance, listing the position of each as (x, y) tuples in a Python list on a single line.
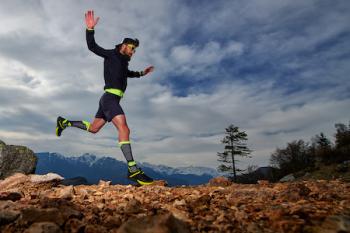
[(93, 129), (125, 129)]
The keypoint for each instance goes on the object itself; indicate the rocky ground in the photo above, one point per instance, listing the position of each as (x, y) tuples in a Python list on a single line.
[(40, 204)]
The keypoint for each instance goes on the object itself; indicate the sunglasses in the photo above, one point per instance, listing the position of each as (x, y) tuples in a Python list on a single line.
[(132, 47)]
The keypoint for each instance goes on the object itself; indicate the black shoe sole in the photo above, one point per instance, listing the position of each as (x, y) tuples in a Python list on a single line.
[(142, 183)]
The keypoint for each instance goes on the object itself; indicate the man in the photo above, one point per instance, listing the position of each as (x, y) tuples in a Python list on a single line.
[(116, 72)]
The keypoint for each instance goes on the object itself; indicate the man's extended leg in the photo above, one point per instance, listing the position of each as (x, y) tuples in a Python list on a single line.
[(96, 125), (134, 173)]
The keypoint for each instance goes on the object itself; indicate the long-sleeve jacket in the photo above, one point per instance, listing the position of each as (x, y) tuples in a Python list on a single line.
[(116, 65)]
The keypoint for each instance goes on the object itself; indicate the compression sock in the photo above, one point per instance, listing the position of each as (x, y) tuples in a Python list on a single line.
[(84, 125), (126, 149)]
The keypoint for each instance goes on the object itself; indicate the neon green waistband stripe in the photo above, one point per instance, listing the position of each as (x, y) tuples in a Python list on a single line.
[(114, 91)]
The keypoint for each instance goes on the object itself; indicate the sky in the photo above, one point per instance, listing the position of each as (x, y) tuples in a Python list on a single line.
[(279, 70)]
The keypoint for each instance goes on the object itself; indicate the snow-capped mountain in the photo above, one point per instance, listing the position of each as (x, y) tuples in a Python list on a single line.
[(199, 171), (95, 168)]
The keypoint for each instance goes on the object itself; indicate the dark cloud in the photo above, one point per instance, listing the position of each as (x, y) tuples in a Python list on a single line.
[(286, 79)]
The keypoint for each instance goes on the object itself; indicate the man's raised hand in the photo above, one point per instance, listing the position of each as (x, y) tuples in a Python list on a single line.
[(90, 20)]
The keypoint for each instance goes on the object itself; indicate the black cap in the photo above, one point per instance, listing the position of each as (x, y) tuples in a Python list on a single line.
[(131, 41)]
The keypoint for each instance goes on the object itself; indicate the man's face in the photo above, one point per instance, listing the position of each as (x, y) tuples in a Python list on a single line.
[(128, 49)]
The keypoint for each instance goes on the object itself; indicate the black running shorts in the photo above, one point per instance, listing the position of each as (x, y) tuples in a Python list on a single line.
[(109, 107)]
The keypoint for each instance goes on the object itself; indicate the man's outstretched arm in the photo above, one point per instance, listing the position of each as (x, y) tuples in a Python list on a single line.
[(90, 38), (137, 74)]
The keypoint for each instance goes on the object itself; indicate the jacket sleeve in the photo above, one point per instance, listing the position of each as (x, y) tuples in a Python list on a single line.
[(134, 74), (95, 48)]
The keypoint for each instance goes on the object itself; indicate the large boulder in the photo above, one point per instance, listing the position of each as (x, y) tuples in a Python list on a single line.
[(14, 159)]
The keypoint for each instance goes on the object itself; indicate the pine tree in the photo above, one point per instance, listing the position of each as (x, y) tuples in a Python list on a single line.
[(235, 145)]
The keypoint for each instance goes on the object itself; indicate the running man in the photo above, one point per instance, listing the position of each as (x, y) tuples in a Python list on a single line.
[(116, 72)]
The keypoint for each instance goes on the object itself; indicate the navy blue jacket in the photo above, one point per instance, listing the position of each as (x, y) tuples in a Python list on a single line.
[(116, 71)]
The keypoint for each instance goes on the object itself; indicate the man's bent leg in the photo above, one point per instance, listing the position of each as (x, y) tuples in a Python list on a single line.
[(62, 123)]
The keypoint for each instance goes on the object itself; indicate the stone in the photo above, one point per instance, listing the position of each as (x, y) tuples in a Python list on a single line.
[(94, 229), (159, 183), (133, 206), (8, 216), (16, 159), (7, 205), (334, 223), (112, 222), (45, 178), (220, 181), (11, 195), (43, 227), (70, 213), (287, 178), (263, 182), (337, 223), (13, 181), (343, 167), (162, 223), (74, 226), (33, 214), (66, 192), (104, 183), (75, 181)]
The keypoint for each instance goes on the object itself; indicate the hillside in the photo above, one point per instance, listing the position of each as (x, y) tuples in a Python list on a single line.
[(327, 172), (35, 203)]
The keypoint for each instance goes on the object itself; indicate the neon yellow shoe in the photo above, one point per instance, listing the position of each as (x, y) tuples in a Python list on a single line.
[(61, 125), (140, 177)]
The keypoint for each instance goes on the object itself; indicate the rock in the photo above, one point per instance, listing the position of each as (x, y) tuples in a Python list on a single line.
[(162, 223), (133, 207), (68, 213), (13, 181), (220, 181), (43, 227), (335, 223), (45, 178), (343, 167), (263, 182), (7, 205), (8, 216), (112, 222), (32, 214), (94, 229), (11, 195), (75, 181), (287, 178), (104, 183), (66, 192), (159, 183), (74, 225), (16, 159)]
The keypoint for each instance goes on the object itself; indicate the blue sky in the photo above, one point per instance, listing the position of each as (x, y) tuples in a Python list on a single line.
[(279, 70)]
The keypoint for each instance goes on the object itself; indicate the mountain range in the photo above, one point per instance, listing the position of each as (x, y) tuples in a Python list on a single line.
[(91, 168)]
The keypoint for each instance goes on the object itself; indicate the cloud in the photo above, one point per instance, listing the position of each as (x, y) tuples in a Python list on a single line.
[(278, 70), (192, 60)]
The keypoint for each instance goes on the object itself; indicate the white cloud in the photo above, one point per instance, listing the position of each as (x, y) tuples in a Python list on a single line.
[(194, 60), (46, 70)]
